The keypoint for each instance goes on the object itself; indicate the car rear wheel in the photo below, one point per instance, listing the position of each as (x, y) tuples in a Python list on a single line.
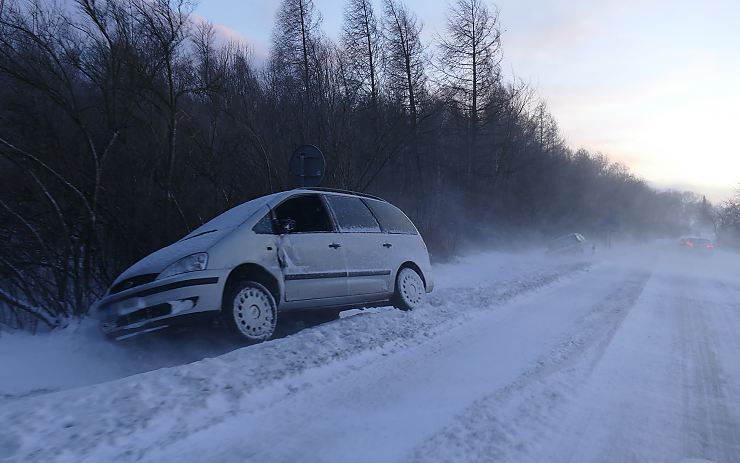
[(410, 292), (250, 311)]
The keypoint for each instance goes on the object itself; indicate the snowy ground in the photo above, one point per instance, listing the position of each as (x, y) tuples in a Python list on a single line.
[(628, 356)]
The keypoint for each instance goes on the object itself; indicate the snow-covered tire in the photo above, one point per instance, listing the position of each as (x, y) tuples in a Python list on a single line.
[(410, 292), (250, 311)]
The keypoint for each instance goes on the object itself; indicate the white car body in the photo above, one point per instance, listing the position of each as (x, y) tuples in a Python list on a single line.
[(345, 265), (572, 243)]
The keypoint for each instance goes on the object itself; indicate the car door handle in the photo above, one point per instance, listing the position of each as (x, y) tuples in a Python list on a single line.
[(335, 245), (387, 245)]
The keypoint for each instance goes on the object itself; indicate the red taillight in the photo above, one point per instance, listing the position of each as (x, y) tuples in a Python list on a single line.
[(690, 244), (710, 246)]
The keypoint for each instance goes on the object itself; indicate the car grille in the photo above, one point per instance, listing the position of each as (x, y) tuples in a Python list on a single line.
[(133, 282)]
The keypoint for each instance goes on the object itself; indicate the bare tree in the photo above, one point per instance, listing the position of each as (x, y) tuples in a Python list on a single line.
[(404, 57), (546, 132), (43, 54), (361, 40), (469, 62), (295, 37), (166, 26), (727, 219), (125, 123)]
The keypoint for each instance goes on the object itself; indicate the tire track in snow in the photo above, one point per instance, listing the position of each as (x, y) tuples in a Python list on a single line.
[(714, 432), (99, 422), (508, 424), (663, 390), (380, 412)]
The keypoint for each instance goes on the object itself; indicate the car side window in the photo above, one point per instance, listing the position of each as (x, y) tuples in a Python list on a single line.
[(264, 226), (308, 213), (391, 219), (352, 215)]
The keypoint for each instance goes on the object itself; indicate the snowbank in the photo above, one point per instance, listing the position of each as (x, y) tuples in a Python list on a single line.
[(159, 406)]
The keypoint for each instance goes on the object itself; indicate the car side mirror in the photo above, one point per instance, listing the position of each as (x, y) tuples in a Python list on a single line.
[(287, 225)]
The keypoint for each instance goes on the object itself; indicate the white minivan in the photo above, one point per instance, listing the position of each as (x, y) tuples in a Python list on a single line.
[(309, 248)]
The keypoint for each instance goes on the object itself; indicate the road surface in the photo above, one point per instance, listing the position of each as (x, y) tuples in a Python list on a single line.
[(614, 360)]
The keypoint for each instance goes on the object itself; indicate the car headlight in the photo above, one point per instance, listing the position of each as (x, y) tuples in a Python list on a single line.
[(191, 263)]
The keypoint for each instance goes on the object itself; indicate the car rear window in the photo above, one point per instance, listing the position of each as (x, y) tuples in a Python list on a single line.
[(391, 219), (352, 215)]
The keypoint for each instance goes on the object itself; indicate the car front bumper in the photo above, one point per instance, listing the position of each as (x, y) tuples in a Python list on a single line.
[(161, 303)]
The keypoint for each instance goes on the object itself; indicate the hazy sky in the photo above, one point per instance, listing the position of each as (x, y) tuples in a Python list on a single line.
[(653, 83)]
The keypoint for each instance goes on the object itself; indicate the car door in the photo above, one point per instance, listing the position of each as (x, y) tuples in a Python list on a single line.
[(366, 248), (310, 250), (400, 238)]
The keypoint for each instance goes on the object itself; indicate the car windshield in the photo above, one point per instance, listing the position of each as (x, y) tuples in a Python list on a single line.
[(231, 218)]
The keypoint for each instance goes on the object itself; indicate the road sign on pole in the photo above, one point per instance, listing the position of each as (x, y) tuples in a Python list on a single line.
[(307, 166)]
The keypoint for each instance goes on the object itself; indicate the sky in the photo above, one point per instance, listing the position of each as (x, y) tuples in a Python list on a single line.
[(654, 84)]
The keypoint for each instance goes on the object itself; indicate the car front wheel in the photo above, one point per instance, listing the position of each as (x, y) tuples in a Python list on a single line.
[(410, 292), (250, 311)]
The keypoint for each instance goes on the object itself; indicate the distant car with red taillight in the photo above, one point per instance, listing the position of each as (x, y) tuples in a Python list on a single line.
[(696, 244)]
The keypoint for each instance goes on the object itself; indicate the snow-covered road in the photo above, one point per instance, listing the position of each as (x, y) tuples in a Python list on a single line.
[(516, 358)]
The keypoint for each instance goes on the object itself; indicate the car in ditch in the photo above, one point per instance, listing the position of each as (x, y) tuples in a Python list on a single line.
[(307, 249), (572, 243)]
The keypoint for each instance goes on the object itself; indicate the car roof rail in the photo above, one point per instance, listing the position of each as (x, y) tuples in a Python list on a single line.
[(337, 190)]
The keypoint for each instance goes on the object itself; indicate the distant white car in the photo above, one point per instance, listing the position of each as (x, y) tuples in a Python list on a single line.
[(301, 249), (572, 243)]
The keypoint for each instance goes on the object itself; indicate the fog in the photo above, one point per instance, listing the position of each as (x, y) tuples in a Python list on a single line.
[(509, 344), (81, 355), (107, 156)]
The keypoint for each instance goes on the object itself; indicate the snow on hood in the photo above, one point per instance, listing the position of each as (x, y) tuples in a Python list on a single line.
[(159, 260), (199, 240)]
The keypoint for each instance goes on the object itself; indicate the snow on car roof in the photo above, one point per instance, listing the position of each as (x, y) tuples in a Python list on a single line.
[(239, 214)]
